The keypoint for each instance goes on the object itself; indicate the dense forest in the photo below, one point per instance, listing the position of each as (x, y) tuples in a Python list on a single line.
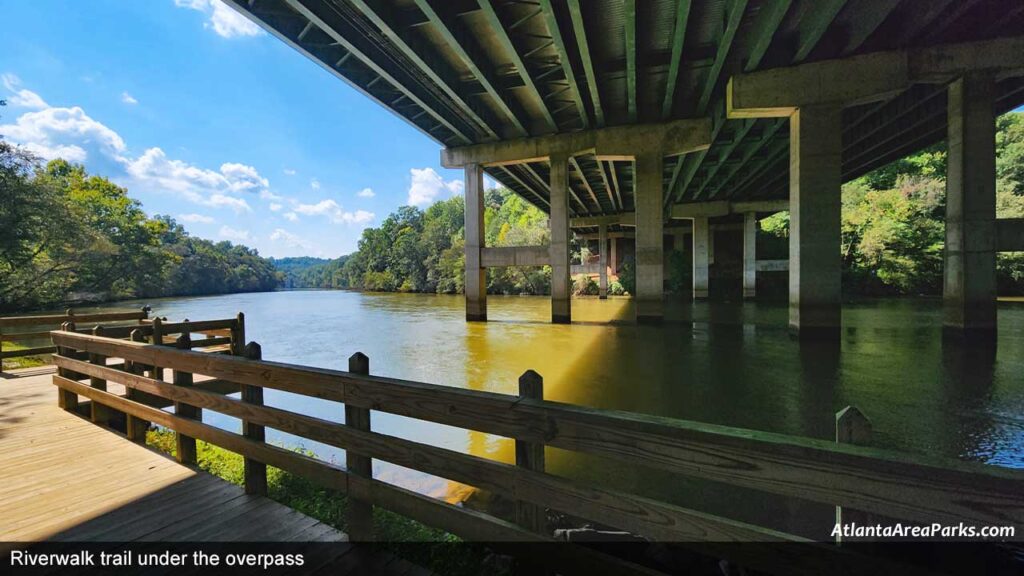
[(67, 236)]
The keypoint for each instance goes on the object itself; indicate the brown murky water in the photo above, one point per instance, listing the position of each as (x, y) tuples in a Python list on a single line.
[(730, 364)]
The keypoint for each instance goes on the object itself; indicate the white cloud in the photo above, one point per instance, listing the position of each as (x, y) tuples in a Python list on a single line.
[(275, 207), (365, 193), (291, 217), (233, 234), (288, 239), (22, 98), (427, 185), (289, 172), (225, 21), (128, 98), (199, 185), (314, 184), (332, 210), (63, 133), (357, 217), (268, 195), (196, 219)]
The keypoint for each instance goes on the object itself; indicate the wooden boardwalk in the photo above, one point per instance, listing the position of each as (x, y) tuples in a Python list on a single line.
[(63, 478)]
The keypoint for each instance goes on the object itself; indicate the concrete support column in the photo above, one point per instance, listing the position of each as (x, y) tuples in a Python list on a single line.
[(679, 242), (561, 312), (815, 155), (749, 254), (701, 245), (476, 274), (615, 256), (650, 271), (602, 241), (969, 288)]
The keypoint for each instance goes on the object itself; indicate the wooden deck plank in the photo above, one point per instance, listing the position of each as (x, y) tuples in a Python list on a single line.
[(63, 478)]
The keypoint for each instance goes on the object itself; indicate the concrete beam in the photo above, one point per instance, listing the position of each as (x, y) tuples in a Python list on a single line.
[(772, 265), (718, 208), (869, 77), (650, 266), (617, 142), (515, 256), (701, 259), (558, 249), (476, 275), (602, 241), (749, 255), (969, 283), (623, 219), (815, 155), (1010, 235)]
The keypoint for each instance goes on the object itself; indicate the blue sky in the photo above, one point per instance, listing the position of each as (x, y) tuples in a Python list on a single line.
[(205, 117)]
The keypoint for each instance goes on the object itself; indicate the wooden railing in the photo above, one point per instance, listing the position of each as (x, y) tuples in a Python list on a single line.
[(50, 322), (862, 479)]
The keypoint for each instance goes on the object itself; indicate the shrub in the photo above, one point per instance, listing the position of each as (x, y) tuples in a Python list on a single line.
[(584, 285)]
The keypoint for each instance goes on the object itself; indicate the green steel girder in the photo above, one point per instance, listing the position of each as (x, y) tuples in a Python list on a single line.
[(417, 50), (506, 41), (468, 49), (733, 19), (583, 47), (678, 40), (563, 55), (629, 29)]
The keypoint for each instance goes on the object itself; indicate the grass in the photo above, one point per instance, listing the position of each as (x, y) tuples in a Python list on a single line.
[(21, 361), (431, 548)]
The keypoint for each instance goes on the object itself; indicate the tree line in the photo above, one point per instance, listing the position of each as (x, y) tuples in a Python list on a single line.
[(67, 236)]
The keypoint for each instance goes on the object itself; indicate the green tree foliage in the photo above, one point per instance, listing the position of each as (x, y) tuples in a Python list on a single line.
[(67, 236), (417, 250), (893, 222)]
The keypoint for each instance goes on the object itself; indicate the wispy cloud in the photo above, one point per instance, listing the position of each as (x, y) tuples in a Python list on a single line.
[(289, 172), (365, 193), (314, 184), (222, 19), (332, 210), (128, 99), (233, 234), (196, 219), (21, 97), (427, 185), (291, 217), (275, 207)]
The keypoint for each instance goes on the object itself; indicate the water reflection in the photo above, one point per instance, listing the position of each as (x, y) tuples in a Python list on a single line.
[(731, 364)]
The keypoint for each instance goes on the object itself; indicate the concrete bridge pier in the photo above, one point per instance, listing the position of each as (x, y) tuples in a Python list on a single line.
[(969, 287), (561, 283), (476, 274), (815, 154), (602, 241), (749, 254), (650, 273), (701, 259)]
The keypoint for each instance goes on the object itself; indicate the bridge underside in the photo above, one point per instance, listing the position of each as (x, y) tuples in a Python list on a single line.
[(618, 116)]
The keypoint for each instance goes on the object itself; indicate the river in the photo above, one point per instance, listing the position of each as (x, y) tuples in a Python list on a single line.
[(730, 364)]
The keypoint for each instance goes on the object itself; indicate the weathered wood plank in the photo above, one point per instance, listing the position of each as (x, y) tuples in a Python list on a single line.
[(359, 515), (78, 318)]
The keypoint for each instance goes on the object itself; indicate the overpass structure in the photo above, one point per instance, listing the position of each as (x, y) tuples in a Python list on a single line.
[(612, 114)]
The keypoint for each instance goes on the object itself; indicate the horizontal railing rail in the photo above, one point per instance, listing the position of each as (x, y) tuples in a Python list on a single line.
[(52, 321), (863, 479)]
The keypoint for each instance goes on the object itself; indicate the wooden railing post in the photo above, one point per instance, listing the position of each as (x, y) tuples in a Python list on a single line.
[(238, 345), (255, 472), (97, 411), (852, 427), (66, 399), (360, 513), (157, 339), (135, 428), (186, 445), (530, 455)]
